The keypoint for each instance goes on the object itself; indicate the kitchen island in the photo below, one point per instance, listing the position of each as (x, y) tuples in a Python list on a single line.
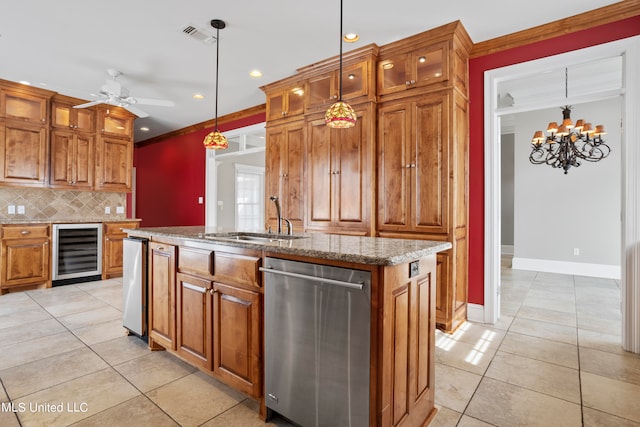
[(206, 305)]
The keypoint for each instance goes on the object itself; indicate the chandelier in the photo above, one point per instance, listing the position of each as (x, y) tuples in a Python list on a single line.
[(568, 145), (340, 114), (216, 140)]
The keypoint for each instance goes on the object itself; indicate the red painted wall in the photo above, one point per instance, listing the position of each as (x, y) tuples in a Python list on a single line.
[(477, 66), (170, 176)]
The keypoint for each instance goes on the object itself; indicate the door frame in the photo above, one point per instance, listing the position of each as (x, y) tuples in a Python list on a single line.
[(629, 48)]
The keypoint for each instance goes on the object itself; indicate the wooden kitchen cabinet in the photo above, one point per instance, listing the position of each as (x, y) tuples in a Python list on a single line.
[(408, 328), (72, 144), (23, 154), (112, 236), (284, 173), (161, 295), (194, 321), (237, 328), (285, 100), (340, 175), (25, 257), (24, 132), (422, 66), (114, 121), (324, 89), (114, 164)]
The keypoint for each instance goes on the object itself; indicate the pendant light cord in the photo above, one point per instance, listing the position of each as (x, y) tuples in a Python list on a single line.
[(340, 98), (217, 62)]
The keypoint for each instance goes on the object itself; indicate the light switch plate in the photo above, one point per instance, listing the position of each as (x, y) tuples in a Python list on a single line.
[(107, 210), (119, 209)]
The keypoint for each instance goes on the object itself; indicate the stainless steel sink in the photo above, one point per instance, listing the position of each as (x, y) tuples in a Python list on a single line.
[(249, 237)]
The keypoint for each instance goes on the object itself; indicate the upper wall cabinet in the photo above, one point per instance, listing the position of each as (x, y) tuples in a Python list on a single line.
[(115, 122), (64, 116), (323, 90), (284, 101), (24, 130), (423, 66)]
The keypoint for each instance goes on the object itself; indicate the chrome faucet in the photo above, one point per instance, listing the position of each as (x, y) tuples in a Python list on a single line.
[(274, 199)]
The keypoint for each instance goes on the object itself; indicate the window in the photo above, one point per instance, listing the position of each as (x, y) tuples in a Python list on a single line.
[(249, 197)]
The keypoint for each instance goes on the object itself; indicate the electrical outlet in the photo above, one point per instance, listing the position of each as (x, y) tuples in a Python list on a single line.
[(20, 210), (107, 210), (119, 209), (200, 200), (11, 210), (576, 251)]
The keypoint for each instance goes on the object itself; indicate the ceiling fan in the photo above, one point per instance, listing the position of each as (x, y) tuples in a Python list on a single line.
[(113, 93)]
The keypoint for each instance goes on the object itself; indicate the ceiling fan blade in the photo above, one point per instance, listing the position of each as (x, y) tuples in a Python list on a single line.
[(89, 104), (138, 112), (157, 102)]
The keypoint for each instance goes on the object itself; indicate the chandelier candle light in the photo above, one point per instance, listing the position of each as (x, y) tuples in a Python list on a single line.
[(216, 140), (566, 145), (340, 114)]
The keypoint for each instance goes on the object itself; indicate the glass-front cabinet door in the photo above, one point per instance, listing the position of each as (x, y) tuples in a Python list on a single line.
[(24, 107), (116, 123)]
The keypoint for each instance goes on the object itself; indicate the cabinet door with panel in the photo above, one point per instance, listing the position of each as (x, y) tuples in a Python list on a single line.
[(24, 104), (424, 66), (284, 173), (161, 293), (194, 320), (236, 338), (114, 164), (23, 153), (324, 89), (72, 160), (340, 175), (64, 116), (284, 102), (112, 247), (413, 156), (26, 255)]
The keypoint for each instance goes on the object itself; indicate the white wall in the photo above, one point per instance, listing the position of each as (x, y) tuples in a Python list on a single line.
[(555, 213)]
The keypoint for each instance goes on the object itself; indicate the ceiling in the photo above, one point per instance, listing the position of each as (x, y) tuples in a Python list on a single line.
[(68, 45)]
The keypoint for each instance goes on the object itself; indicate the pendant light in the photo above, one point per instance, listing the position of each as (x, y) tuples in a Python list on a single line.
[(340, 114), (216, 140)]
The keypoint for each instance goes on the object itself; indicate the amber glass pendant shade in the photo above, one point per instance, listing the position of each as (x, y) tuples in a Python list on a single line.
[(340, 115), (215, 140)]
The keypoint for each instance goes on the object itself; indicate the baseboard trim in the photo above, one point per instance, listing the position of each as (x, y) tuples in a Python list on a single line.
[(506, 249), (475, 313), (564, 267)]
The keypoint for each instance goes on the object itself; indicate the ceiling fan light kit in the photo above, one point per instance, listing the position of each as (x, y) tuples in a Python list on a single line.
[(216, 140), (114, 93)]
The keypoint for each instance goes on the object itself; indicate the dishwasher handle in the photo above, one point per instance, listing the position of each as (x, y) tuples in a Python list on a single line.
[(342, 283)]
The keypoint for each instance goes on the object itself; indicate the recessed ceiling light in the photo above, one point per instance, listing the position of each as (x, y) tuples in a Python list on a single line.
[(255, 73), (24, 82), (351, 37), (144, 129), (198, 96)]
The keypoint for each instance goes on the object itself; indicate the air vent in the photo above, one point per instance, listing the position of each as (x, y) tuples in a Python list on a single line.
[(198, 34)]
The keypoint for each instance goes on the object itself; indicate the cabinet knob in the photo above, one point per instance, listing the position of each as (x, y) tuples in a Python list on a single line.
[(25, 232), (413, 165), (407, 83)]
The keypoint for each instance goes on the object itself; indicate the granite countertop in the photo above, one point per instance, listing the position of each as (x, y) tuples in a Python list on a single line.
[(361, 250), (65, 221)]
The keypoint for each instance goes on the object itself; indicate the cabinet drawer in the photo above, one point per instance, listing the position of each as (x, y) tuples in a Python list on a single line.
[(116, 227), (24, 231), (196, 261), (240, 269)]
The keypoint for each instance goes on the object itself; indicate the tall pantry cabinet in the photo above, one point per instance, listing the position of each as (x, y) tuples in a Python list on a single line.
[(423, 154)]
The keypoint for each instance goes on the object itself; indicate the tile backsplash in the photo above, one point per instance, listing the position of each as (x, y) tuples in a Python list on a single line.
[(45, 204)]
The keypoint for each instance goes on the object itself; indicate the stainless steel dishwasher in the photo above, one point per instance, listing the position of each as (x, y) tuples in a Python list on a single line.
[(317, 333)]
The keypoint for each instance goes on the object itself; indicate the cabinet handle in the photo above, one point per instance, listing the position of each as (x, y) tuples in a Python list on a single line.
[(413, 165), (413, 82), (161, 248), (106, 238), (407, 83), (25, 232), (407, 166)]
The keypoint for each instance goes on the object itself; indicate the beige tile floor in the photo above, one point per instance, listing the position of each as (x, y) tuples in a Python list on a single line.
[(554, 359)]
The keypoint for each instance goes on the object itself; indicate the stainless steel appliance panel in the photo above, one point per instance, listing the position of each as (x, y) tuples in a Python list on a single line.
[(317, 343), (134, 285)]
